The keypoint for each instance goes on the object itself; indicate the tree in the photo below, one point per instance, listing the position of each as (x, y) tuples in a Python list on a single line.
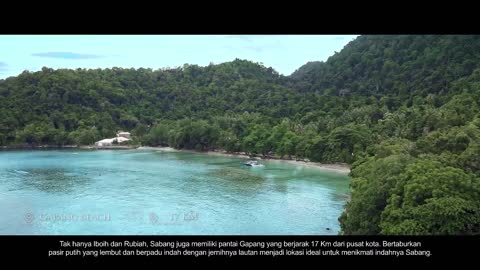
[(372, 185), (431, 198), (85, 136)]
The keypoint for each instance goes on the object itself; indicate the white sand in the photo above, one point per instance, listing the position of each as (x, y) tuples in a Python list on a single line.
[(338, 168), (159, 148)]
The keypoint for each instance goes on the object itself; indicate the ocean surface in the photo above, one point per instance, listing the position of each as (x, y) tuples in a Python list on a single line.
[(154, 192)]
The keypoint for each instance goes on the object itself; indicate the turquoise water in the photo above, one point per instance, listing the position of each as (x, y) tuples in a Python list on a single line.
[(152, 192)]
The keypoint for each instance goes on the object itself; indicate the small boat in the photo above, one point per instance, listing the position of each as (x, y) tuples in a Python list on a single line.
[(252, 163)]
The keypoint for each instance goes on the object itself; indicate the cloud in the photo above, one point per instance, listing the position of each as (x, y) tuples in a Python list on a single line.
[(241, 48), (68, 55), (256, 48), (253, 43)]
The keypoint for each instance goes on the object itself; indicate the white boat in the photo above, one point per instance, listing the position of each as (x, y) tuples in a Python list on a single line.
[(252, 163)]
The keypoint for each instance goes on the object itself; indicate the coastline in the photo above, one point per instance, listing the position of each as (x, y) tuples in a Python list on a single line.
[(26, 146), (337, 168), (87, 147), (112, 147)]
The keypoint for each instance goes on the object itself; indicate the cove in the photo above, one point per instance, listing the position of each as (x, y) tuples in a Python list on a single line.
[(149, 192)]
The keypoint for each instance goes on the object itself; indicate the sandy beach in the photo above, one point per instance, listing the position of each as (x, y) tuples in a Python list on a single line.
[(338, 168), (159, 148)]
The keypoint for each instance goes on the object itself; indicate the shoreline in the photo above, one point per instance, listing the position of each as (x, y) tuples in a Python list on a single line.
[(23, 146), (337, 168), (85, 147)]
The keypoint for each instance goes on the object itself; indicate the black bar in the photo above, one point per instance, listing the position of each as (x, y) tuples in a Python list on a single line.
[(292, 248)]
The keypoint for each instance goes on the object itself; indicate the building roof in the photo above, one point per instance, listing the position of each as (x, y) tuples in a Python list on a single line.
[(122, 139), (119, 139), (106, 141)]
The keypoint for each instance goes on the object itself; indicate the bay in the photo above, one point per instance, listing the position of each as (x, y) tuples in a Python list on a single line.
[(150, 192)]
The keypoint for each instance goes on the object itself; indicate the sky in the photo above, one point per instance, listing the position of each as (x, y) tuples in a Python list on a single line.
[(284, 53)]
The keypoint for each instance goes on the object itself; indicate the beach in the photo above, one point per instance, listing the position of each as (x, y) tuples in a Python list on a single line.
[(338, 168)]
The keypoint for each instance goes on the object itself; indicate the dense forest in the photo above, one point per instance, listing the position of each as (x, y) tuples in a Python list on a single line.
[(404, 111)]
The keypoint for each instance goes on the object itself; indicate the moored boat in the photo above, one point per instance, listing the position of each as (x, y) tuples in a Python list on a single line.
[(252, 163)]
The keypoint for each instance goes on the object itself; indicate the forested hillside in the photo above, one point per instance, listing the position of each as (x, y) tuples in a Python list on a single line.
[(403, 110), (419, 97)]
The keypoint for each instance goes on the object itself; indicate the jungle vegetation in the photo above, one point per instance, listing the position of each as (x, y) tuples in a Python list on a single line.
[(404, 111)]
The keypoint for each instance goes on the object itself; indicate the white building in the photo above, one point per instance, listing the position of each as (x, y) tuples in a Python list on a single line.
[(124, 134), (110, 142)]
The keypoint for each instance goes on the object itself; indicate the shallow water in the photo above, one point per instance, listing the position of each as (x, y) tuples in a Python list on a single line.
[(152, 192)]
